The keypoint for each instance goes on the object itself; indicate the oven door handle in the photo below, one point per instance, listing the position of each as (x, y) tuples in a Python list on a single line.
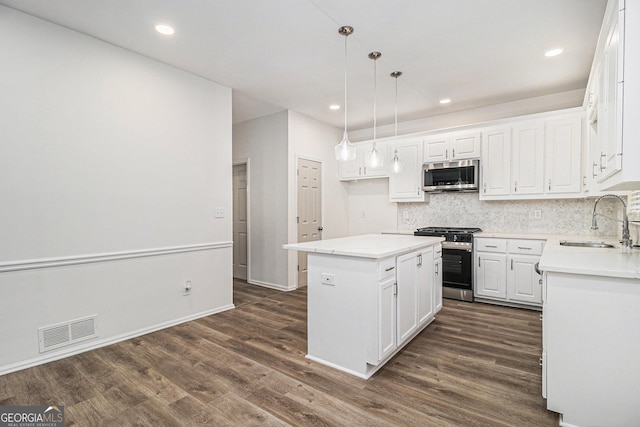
[(460, 246)]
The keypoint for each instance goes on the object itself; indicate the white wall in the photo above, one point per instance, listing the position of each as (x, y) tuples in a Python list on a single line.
[(370, 210), (314, 140), (264, 142), (106, 152)]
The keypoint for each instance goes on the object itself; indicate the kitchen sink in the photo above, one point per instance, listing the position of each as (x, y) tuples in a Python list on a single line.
[(585, 244)]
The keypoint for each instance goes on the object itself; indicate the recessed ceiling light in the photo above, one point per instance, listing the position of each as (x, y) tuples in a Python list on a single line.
[(445, 101), (553, 52), (165, 29), (334, 107)]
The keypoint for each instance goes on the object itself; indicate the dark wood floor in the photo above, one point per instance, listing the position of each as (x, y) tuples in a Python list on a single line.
[(476, 365)]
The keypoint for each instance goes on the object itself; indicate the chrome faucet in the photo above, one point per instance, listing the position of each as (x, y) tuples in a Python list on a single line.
[(626, 237)]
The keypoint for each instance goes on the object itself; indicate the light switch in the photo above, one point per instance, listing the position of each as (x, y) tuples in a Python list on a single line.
[(219, 213)]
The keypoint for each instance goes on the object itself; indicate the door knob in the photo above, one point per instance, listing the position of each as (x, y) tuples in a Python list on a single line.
[(320, 228)]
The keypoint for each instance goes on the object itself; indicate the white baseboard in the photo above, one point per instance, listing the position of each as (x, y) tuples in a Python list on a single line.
[(88, 346), (270, 285)]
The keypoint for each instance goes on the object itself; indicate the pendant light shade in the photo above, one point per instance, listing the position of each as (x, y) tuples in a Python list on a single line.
[(396, 164), (345, 150), (374, 159)]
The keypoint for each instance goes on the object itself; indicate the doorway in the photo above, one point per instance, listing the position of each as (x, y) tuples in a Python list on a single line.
[(309, 190), (240, 222)]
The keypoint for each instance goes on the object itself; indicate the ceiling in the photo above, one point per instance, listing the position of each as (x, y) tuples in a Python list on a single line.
[(287, 54)]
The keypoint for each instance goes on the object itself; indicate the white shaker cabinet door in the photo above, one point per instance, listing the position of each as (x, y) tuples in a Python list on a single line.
[(407, 298), (491, 280)]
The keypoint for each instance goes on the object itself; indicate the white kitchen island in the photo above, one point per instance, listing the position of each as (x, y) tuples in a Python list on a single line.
[(368, 296)]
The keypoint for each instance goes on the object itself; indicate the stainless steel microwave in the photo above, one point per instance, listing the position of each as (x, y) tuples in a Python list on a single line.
[(459, 175)]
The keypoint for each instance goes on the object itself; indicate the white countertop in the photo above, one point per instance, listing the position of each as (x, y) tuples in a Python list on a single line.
[(609, 262), (405, 231), (376, 246)]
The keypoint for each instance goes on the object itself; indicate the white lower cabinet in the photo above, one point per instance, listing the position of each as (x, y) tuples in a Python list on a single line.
[(590, 370), (437, 278), (491, 276), (386, 317), (408, 279), (505, 270), (426, 303)]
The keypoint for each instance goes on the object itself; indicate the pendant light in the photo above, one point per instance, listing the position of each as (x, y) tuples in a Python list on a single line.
[(345, 150), (396, 164), (374, 158)]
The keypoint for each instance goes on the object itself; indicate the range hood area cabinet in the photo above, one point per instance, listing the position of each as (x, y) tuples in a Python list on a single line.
[(451, 146), (612, 101), (538, 158)]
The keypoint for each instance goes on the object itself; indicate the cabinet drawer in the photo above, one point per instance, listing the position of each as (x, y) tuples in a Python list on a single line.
[(387, 268), (484, 244), (528, 247)]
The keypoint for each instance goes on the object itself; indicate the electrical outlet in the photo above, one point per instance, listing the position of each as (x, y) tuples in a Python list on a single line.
[(219, 213), (364, 215), (328, 279), (537, 214), (405, 214), (186, 288)]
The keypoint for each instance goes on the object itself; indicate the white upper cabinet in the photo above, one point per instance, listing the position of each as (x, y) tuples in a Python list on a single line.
[(358, 168), (405, 185), (613, 102), (527, 157), (496, 162), (563, 143), (533, 159), (451, 146)]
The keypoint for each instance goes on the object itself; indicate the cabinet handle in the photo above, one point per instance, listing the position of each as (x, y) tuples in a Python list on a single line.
[(602, 155), (515, 186), (389, 269), (549, 185), (540, 361), (484, 187), (360, 171), (446, 153), (436, 269), (512, 264), (453, 152), (419, 256), (540, 316), (593, 170), (584, 180), (491, 246), (365, 170), (524, 248), (479, 260)]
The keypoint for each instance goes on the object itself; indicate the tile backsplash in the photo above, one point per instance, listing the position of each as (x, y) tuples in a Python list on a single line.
[(559, 216)]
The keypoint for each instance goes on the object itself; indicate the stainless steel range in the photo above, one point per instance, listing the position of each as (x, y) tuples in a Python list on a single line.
[(457, 260)]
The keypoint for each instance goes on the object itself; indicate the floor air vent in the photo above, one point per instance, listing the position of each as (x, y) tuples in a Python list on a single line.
[(67, 333)]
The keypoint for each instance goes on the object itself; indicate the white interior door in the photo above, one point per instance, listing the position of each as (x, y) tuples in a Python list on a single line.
[(309, 210), (240, 221)]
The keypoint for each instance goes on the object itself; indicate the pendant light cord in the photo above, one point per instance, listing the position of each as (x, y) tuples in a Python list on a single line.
[(375, 100), (396, 119), (345, 84)]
